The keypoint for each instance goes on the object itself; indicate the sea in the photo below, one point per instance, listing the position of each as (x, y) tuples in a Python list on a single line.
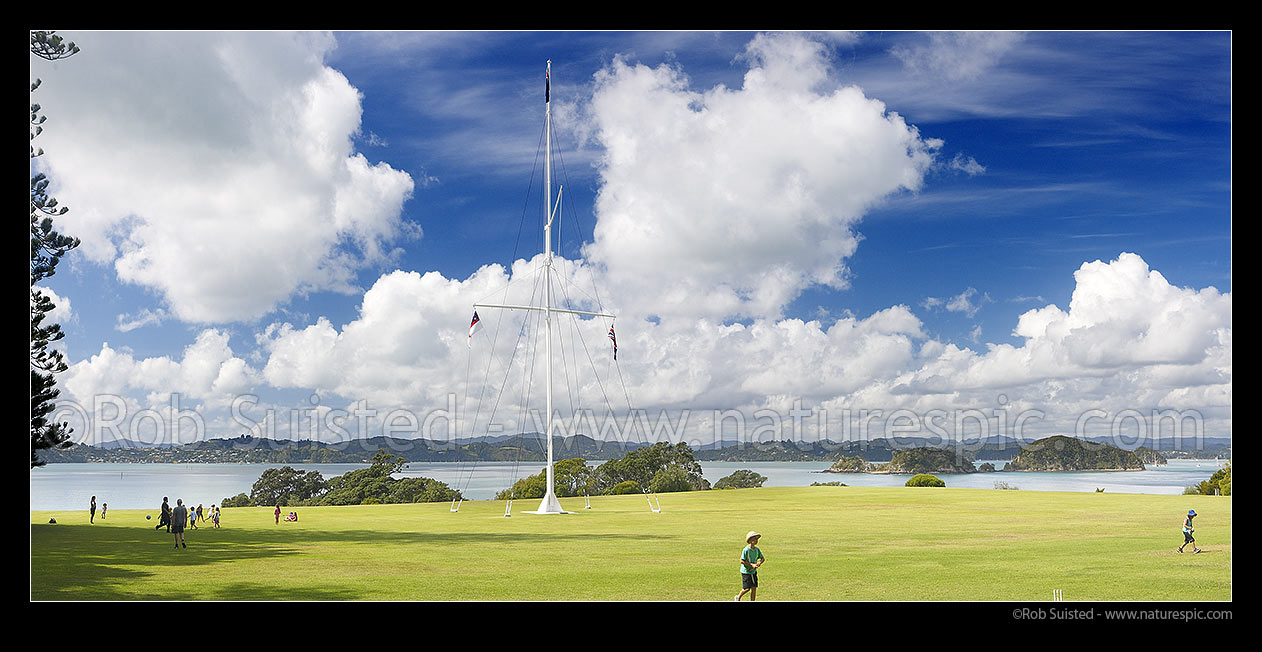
[(142, 486)]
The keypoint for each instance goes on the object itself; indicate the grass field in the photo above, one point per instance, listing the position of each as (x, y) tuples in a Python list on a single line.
[(821, 543)]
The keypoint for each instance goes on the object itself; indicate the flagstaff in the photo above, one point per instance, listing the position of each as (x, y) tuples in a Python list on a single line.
[(550, 504)]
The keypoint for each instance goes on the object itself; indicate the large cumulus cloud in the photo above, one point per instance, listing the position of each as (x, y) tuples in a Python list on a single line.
[(216, 168)]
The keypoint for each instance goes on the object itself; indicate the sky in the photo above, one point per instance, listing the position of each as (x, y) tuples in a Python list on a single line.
[(803, 235)]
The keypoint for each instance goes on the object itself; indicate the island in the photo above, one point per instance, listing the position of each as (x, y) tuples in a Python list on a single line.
[(1062, 453), (910, 461)]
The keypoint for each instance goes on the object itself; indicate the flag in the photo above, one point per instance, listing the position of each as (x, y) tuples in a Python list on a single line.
[(474, 326), (615, 343), (547, 88)]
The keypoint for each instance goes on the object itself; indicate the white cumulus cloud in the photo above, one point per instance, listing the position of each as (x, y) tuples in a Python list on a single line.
[(728, 202), (216, 168)]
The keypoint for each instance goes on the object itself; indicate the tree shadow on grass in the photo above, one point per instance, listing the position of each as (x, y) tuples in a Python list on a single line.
[(84, 562)]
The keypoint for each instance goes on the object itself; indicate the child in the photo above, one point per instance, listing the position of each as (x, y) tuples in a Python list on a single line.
[(199, 516), (104, 506), (214, 515), (751, 559), (1187, 532)]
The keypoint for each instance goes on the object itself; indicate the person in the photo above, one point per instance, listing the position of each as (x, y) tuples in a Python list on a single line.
[(199, 516), (1187, 532), (278, 514), (214, 516), (92, 511), (179, 516), (751, 559), (104, 506), (164, 519)]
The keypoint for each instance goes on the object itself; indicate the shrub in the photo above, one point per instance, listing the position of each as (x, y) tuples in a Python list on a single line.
[(925, 480), (1005, 485), (534, 486), (742, 479), (671, 478), (239, 500), (626, 487), (834, 483)]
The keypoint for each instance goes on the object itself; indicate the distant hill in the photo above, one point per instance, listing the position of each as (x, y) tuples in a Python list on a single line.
[(248, 449), (529, 447)]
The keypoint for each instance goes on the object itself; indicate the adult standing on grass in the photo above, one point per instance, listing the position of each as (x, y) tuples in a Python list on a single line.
[(751, 559), (1187, 532), (92, 511), (179, 516), (198, 517), (164, 519), (278, 514)]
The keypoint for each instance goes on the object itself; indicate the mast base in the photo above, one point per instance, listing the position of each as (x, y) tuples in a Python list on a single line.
[(549, 505)]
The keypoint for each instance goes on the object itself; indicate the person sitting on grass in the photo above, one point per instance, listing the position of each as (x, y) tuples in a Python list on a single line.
[(751, 559), (1187, 532)]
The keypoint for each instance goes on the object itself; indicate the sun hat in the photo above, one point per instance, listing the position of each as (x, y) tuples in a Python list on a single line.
[(1191, 512), (751, 535)]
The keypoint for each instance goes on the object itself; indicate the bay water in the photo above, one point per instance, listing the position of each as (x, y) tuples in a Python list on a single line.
[(142, 486)]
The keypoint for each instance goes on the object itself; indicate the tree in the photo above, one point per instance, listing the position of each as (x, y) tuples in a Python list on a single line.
[(533, 486), (286, 486), (742, 479), (641, 465), (374, 485), (47, 248), (1219, 484), (571, 477), (925, 480), (672, 477)]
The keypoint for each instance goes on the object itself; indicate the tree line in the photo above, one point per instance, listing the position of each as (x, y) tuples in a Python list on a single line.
[(289, 487), (660, 468)]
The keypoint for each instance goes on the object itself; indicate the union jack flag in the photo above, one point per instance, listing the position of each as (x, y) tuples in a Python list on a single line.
[(615, 343), (474, 326)]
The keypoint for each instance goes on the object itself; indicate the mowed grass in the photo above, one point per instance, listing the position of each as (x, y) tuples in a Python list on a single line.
[(821, 543)]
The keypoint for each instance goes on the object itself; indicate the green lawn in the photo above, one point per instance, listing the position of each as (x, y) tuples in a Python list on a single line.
[(821, 543)]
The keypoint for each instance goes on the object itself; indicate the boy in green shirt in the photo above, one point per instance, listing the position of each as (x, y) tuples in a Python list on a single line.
[(1187, 532), (751, 559)]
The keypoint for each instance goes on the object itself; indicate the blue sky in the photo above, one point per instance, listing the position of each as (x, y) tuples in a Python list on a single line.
[(990, 177)]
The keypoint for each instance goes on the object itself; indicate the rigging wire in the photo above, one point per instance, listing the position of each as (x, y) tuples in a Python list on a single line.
[(500, 318)]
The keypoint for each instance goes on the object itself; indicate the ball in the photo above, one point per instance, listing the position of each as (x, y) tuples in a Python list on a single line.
[(148, 517)]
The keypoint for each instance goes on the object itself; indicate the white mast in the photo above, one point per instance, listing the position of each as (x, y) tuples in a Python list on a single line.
[(549, 505)]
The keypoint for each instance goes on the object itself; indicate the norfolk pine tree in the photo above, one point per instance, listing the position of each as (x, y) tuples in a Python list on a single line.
[(47, 248)]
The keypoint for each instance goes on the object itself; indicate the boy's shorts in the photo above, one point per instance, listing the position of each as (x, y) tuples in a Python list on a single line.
[(749, 580), (1187, 537)]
